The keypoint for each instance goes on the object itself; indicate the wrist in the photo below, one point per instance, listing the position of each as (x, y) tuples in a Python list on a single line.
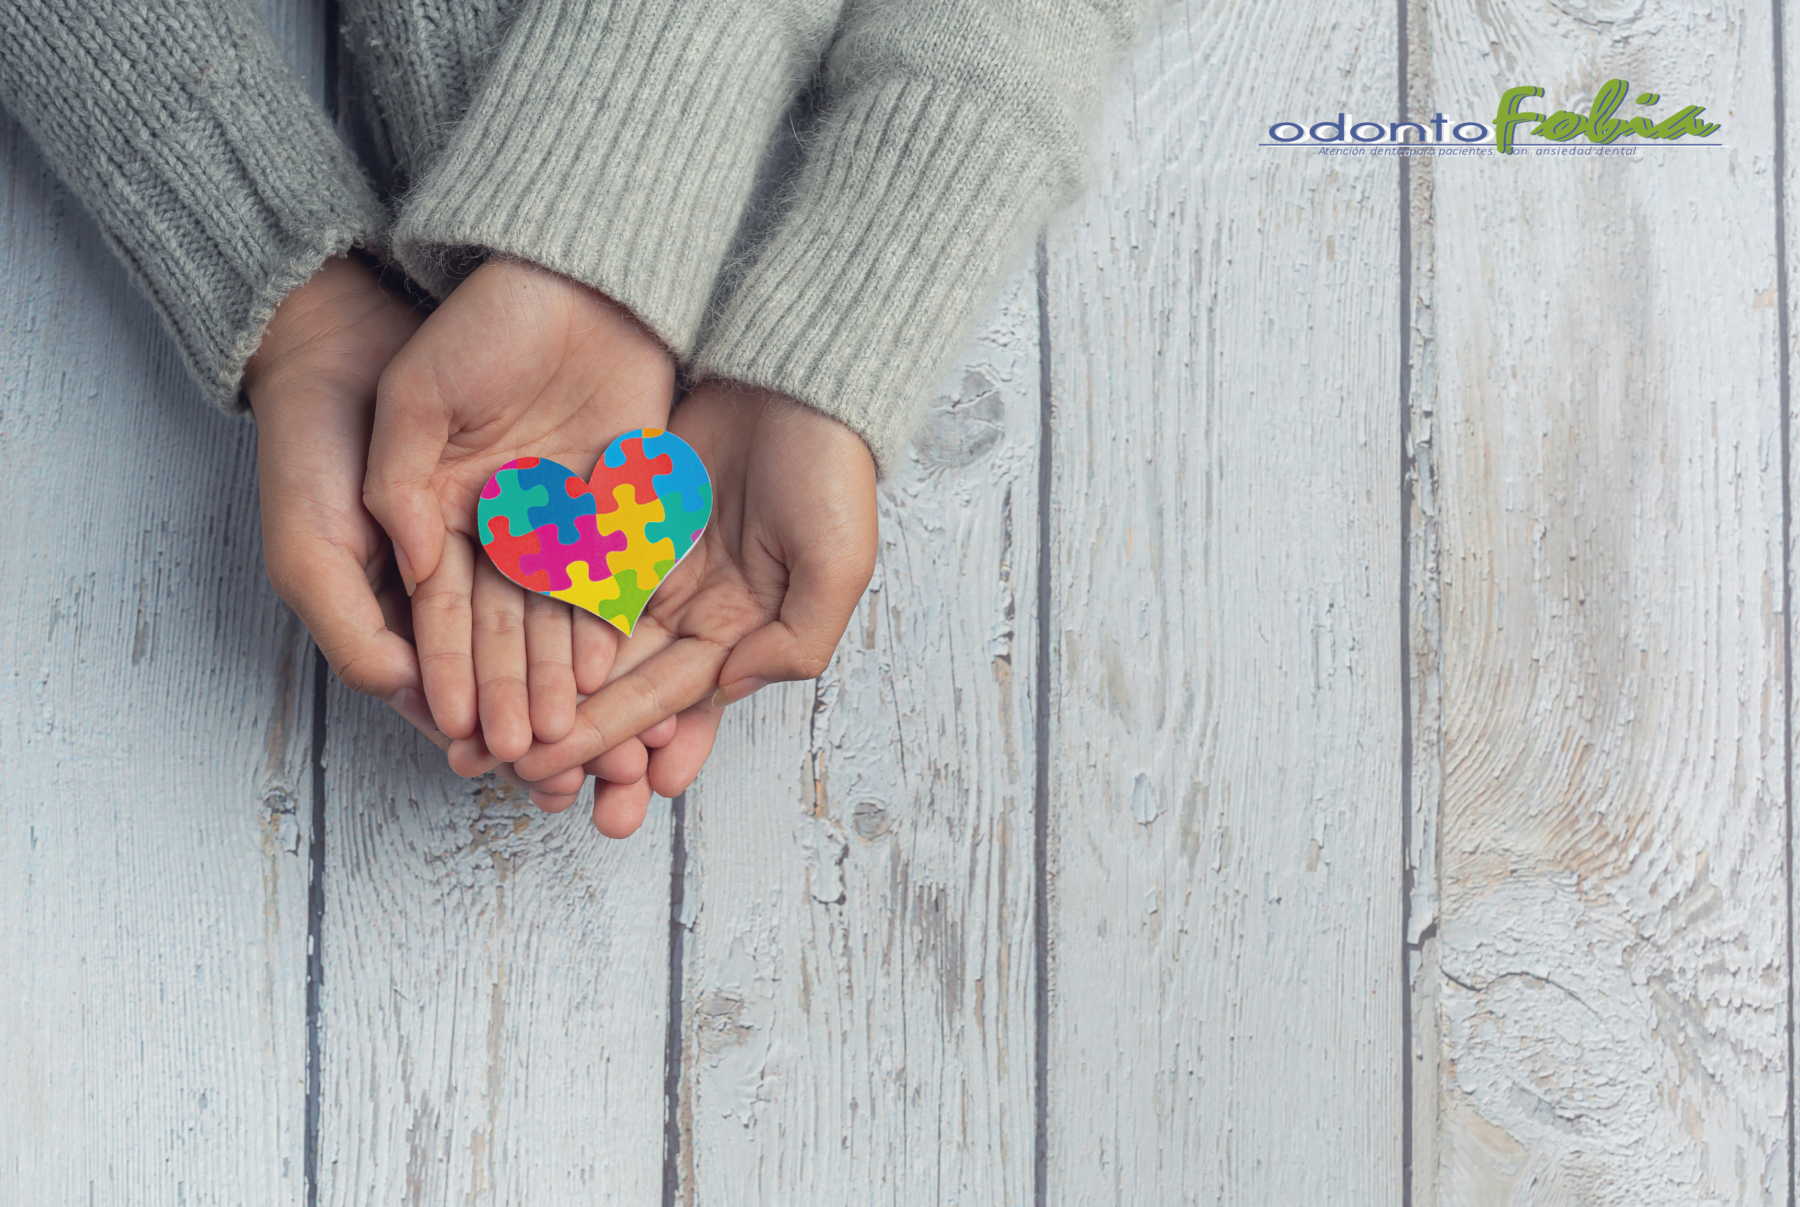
[(613, 316), (330, 336), (745, 408)]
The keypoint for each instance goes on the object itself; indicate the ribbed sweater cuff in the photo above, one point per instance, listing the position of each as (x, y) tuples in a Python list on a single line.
[(209, 169), (614, 143), (913, 202)]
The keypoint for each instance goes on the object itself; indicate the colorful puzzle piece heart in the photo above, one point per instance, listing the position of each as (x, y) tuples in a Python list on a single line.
[(606, 544)]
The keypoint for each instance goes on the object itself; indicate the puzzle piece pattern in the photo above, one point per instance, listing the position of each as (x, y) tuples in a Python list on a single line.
[(555, 557), (603, 545), (685, 491)]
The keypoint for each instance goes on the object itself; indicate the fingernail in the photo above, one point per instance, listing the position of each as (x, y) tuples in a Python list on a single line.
[(406, 574), (731, 693), (409, 702)]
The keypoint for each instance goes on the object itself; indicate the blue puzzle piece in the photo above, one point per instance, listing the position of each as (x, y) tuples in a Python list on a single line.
[(685, 491), (558, 508)]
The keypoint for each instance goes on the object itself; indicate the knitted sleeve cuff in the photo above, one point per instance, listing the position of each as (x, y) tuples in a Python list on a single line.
[(214, 176), (904, 215), (950, 130), (616, 143)]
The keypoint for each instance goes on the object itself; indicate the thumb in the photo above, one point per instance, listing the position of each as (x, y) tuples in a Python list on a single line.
[(799, 643), (411, 429)]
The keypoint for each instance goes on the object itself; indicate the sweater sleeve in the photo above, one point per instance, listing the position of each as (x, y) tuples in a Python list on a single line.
[(415, 64), (212, 174), (949, 130), (616, 142)]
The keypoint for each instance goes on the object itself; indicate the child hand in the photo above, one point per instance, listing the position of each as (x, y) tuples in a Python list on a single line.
[(763, 597), (517, 362)]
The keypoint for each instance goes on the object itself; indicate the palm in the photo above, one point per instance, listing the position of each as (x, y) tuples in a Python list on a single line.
[(766, 593), (326, 500), (735, 580), (312, 386), (517, 362), (568, 411)]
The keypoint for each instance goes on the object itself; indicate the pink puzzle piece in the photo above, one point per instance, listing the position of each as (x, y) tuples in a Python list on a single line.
[(589, 547)]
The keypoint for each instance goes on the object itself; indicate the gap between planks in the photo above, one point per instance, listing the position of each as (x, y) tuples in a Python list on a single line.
[(1784, 393)]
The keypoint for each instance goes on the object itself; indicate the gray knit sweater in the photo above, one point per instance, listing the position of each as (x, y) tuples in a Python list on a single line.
[(616, 141)]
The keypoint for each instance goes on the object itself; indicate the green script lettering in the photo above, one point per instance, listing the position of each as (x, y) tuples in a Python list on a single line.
[(1509, 115), (1597, 125)]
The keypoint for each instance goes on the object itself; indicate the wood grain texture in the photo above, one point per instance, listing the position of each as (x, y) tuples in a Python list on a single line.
[(1226, 710), (154, 724), (495, 985), (157, 715), (858, 988), (1614, 980)]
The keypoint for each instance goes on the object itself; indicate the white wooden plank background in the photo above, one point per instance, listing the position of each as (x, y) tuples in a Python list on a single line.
[(154, 831), (156, 742), (860, 962), (1581, 927), (1613, 953), (495, 984), (1225, 619)]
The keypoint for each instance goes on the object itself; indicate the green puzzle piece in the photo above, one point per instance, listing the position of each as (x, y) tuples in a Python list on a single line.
[(514, 502), (624, 611), (678, 523)]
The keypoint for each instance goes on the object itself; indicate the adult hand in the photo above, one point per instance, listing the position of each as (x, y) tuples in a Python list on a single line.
[(312, 386), (518, 361), (764, 597)]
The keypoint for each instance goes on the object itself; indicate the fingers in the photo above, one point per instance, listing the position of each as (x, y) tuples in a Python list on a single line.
[(554, 794), (553, 802), (494, 657), (328, 589), (441, 622), (549, 667), (596, 645), (470, 757), (623, 764), (674, 766), (658, 734), (668, 682), (410, 703), (820, 599), (501, 691), (411, 429), (396, 608), (619, 808)]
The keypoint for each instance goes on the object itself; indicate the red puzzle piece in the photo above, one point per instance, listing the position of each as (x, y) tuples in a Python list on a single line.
[(636, 473), (506, 550)]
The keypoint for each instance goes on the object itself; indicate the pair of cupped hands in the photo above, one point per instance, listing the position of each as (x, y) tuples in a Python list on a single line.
[(379, 425)]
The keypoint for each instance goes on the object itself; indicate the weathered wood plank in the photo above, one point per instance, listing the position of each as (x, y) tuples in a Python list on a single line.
[(1225, 792), (156, 735), (495, 990), (1424, 621), (154, 727), (859, 965), (1606, 447)]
